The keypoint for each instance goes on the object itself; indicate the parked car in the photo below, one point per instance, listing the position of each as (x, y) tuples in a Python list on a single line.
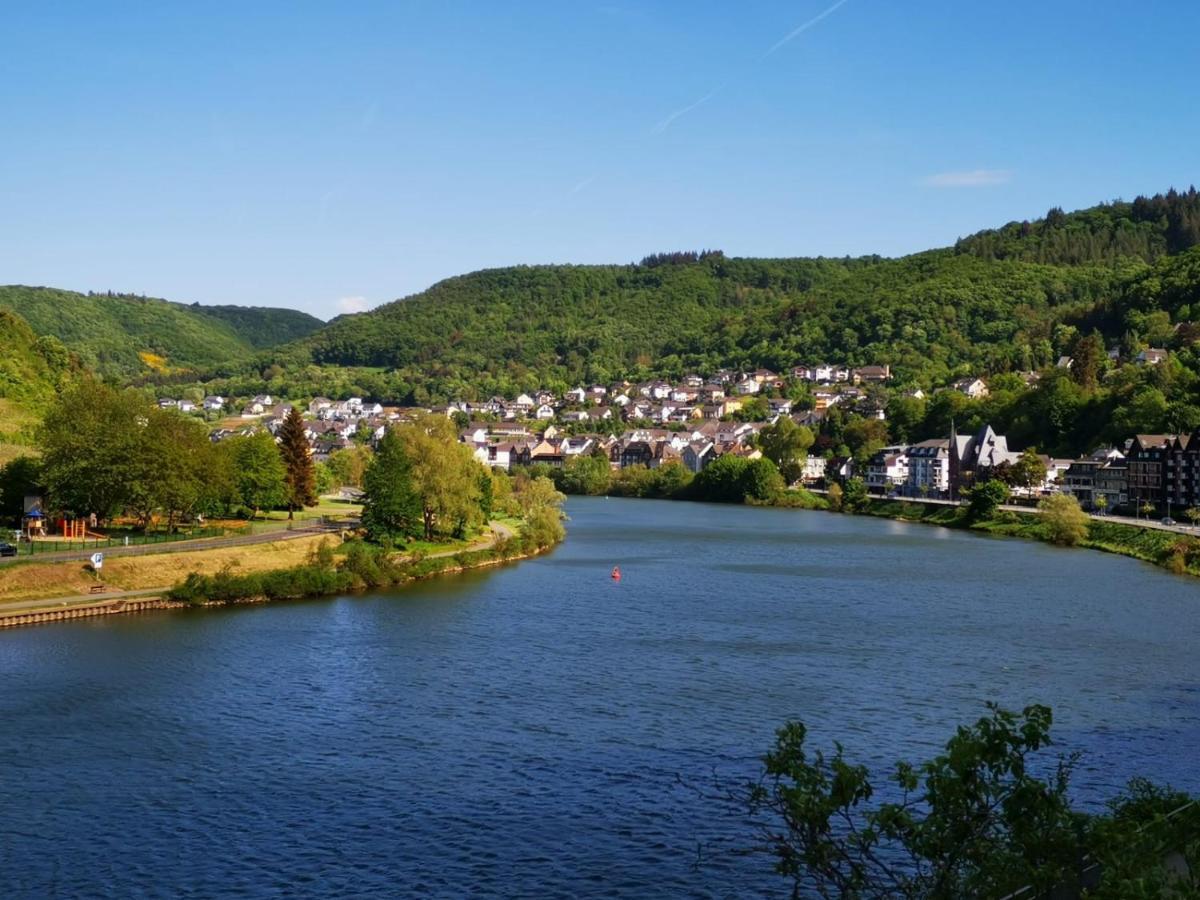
[(1168, 521), (8, 550)]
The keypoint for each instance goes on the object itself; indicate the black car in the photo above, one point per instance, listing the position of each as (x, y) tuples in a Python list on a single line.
[(8, 550)]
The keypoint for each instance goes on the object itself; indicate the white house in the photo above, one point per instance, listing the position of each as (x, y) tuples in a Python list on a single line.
[(887, 470), (576, 446), (972, 387), (814, 469)]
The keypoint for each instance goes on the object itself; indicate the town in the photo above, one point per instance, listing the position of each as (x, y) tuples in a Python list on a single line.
[(693, 420)]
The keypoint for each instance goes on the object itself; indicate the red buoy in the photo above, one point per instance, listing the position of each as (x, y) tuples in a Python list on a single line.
[(616, 573)]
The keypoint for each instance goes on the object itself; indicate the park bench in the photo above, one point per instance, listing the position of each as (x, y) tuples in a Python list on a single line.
[(98, 589)]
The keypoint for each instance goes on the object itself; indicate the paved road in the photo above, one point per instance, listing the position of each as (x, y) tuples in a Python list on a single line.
[(498, 531), (1155, 524), (236, 540)]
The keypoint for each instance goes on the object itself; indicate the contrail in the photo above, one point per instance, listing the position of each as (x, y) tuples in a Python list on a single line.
[(796, 32), (666, 123), (787, 38), (582, 184)]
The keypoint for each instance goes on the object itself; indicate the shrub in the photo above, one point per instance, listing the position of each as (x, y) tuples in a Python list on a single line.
[(985, 498), (1065, 523)]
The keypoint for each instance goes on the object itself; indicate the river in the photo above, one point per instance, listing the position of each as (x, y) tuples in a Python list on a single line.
[(539, 730)]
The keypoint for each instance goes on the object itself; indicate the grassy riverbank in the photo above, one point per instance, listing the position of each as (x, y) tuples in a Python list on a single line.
[(354, 566), (1176, 552), (33, 580)]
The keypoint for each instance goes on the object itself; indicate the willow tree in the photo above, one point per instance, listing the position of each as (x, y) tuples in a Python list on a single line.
[(445, 475)]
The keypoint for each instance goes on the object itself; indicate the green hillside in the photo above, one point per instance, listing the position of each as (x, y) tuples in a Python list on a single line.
[(263, 326), (31, 368), (1147, 228), (126, 335), (1006, 300), (927, 314)]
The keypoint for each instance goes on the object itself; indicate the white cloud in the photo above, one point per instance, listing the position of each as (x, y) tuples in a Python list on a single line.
[(347, 305), (971, 178)]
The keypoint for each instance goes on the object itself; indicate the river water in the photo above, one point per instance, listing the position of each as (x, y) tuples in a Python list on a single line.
[(540, 730)]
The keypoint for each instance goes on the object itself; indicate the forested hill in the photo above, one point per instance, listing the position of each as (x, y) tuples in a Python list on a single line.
[(1011, 299), (1147, 228), (263, 326), (124, 335), (31, 368), (930, 315)]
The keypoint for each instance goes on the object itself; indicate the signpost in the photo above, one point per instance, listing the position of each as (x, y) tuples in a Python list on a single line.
[(97, 561)]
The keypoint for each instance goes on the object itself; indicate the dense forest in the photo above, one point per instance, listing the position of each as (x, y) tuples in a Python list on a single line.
[(263, 326), (1145, 229), (124, 335), (31, 369), (1116, 278), (1008, 300)]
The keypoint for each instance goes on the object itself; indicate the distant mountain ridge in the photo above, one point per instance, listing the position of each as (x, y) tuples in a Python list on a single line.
[(1146, 228), (126, 335), (1009, 299)]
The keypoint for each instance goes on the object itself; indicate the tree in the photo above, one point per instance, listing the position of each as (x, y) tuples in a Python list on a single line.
[(733, 479), (1064, 521), (855, 496), (348, 465), (753, 409), (91, 441), (1100, 501), (540, 504), (975, 821), (865, 436), (761, 480), (985, 498), (835, 495), (300, 478), (786, 444), (445, 475), (18, 478), (259, 471), (1088, 356), (585, 475), (178, 476), (1029, 471), (906, 416), (391, 506)]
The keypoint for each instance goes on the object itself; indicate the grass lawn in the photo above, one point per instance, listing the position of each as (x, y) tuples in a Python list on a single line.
[(35, 581)]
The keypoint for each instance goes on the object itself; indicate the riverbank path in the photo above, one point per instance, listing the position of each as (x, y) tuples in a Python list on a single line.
[(499, 531), (213, 543)]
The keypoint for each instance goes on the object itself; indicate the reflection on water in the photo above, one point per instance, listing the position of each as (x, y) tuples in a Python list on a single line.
[(523, 731)]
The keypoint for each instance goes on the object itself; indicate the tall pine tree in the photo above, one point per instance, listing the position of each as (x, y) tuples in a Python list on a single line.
[(301, 476)]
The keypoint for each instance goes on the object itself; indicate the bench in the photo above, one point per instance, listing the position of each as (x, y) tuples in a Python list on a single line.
[(98, 589)]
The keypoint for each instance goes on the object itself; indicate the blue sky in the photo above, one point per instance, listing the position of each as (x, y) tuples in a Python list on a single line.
[(334, 156)]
